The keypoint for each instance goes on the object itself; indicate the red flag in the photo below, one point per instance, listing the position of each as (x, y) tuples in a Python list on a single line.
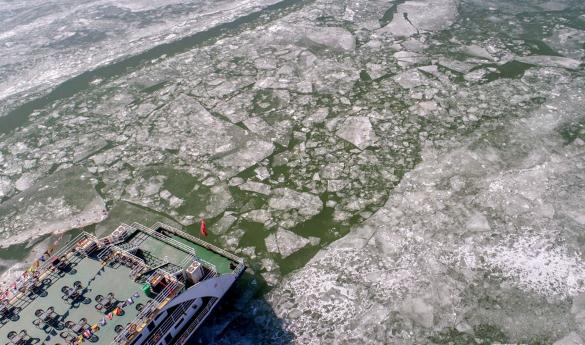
[(203, 228)]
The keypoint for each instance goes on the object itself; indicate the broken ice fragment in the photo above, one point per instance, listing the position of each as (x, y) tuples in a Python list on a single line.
[(262, 173), (5, 187), (550, 61), (477, 222), (358, 131), (257, 216), (24, 182), (285, 242), (418, 311), (220, 199), (411, 79), (332, 37), (245, 156), (284, 199), (255, 187), (223, 224), (175, 202)]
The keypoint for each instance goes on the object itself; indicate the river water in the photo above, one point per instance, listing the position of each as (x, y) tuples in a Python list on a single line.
[(393, 172)]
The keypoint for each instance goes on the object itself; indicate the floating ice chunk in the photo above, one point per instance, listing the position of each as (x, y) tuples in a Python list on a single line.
[(232, 239), (262, 173), (272, 279), (425, 107), (332, 170), (24, 182), (256, 187), (477, 51), (248, 251), (567, 41), (358, 131), (307, 204), (554, 5), (83, 152), (153, 185), (223, 224), (456, 65), (257, 125), (318, 116), (6, 186), (332, 37), (265, 63), (418, 311), (570, 339), (475, 76), (550, 61), (406, 58), (236, 181), (245, 156), (176, 202), (285, 242), (57, 203), (578, 309), (336, 185), (477, 222), (165, 194), (271, 243), (411, 79), (220, 199), (314, 240), (258, 216), (375, 71), (269, 265)]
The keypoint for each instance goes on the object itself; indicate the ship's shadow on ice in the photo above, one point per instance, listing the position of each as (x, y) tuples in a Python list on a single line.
[(244, 317)]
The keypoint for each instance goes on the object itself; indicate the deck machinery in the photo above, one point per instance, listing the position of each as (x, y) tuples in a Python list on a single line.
[(138, 285)]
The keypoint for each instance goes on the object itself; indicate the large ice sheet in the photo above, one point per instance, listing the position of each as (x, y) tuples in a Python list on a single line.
[(482, 220)]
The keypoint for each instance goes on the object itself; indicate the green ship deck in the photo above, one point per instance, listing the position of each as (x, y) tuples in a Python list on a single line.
[(160, 250)]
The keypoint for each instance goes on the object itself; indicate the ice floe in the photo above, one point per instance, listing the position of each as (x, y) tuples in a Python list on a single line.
[(358, 131), (285, 242)]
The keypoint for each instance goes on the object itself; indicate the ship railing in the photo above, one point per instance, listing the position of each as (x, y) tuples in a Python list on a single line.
[(140, 264), (147, 312), (210, 274), (195, 323), (172, 242), (110, 240), (187, 260), (195, 240), (104, 254), (44, 268), (168, 323), (240, 268)]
